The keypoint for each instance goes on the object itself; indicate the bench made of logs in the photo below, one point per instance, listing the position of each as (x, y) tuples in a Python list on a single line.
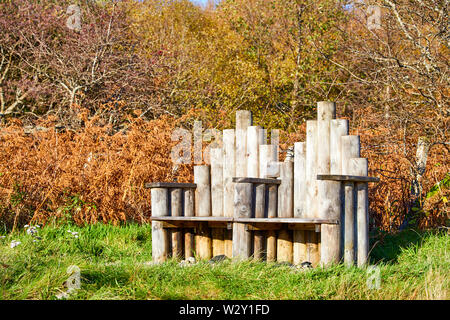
[(245, 204)]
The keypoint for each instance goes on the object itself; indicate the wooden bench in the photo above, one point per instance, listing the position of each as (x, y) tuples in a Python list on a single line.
[(246, 204)]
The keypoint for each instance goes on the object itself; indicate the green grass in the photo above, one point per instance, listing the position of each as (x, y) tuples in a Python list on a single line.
[(113, 264)]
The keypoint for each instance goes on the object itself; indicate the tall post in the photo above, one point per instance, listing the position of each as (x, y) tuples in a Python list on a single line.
[(229, 171), (216, 156), (328, 191), (243, 121), (350, 148), (299, 250)]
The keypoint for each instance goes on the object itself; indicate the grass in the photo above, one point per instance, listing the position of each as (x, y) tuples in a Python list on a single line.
[(114, 265)]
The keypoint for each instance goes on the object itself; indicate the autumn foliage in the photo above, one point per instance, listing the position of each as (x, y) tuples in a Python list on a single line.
[(86, 116)]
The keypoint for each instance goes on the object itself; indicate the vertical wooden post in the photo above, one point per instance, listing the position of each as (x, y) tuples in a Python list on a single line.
[(338, 128), (254, 140), (311, 204), (299, 254), (255, 137), (242, 209), (260, 195), (188, 212), (285, 210), (243, 121), (203, 209), (216, 156), (360, 166), (329, 197), (160, 207), (311, 169), (176, 205), (267, 160), (299, 179), (271, 213), (349, 221), (350, 148), (313, 247), (229, 171)]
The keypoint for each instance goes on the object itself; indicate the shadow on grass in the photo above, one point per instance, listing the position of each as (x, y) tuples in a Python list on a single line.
[(387, 247)]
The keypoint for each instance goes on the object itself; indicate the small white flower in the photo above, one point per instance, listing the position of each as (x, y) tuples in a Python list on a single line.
[(32, 230), (2, 237), (26, 226), (14, 244)]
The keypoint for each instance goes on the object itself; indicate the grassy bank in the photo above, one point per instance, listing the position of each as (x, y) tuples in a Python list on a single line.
[(114, 264)]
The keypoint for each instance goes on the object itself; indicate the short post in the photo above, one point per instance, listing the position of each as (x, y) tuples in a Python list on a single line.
[(203, 209), (260, 194), (285, 210), (271, 213), (160, 241), (349, 221), (188, 194), (176, 202), (360, 166), (242, 209)]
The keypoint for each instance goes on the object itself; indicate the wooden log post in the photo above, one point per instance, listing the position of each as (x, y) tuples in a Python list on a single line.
[(203, 241), (242, 209), (338, 128), (349, 224), (285, 210), (311, 169), (216, 157), (260, 202), (328, 191), (176, 206), (350, 148), (360, 166), (160, 241), (243, 121), (299, 250), (229, 171), (267, 158), (271, 205), (255, 138), (311, 203), (188, 212)]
